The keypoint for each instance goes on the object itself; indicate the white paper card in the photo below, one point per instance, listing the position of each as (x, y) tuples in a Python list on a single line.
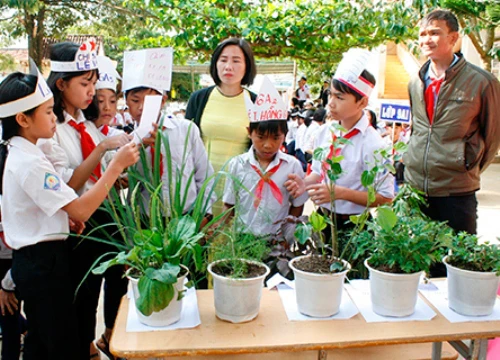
[(278, 279), (151, 68), (287, 295), (439, 299), (190, 316), (360, 294), (150, 113)]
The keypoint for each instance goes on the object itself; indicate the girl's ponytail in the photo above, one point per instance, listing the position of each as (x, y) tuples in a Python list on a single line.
[(14, 87)]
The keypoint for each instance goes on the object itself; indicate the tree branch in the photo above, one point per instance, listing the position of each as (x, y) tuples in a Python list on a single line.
[(474, 40)]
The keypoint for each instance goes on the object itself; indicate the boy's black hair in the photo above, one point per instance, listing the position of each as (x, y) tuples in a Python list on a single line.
[(319, 115), (250, 67), (13, 87), (343, 88), (440, 14), (308, 117), (140, 89), (64, 51), (373, 120), (272, 127)]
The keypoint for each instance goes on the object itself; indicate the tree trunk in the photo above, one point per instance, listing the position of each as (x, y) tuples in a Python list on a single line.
[(36, 32), (489, 42)]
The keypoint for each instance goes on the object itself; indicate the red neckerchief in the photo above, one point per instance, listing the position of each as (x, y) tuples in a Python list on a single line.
[(266, 178), (105, 130), (87, 145), (337, 151), (431, 94)]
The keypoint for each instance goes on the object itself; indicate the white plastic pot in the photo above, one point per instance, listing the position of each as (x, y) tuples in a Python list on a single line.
[(237, 300), (393, 294), (171, 314), (471, 293), (318, 295)]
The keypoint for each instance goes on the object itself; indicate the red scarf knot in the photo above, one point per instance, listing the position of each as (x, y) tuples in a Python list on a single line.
[(266, 178)]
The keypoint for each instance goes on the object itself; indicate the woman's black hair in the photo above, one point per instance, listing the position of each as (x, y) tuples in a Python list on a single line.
[(13, 87), (64, 51), (271, 127), (250, 68), (343, 88), (373, 118)]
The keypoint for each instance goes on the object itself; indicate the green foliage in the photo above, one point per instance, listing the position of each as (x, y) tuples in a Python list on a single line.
[(7, 63), (401, 238), (157, 235), (468, 254), (234, 244)]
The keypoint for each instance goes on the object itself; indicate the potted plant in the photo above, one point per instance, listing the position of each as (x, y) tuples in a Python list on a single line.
[(155, 236), (402, 243), (473, 275), (320, 275), (238, 273)]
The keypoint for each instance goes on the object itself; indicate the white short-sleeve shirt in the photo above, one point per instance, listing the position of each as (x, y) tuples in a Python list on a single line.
[(33, 195), (358, 157), (260, 220), (64, 150), (188, 158)]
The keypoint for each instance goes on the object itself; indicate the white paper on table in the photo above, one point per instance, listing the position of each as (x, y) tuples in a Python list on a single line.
[(190, 316), (278, 279), (439, 299), (150, 113), (347, 308), (360, 294)]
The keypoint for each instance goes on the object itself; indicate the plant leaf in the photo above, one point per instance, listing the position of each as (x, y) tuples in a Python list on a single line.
[(386, 218), (154, 295)]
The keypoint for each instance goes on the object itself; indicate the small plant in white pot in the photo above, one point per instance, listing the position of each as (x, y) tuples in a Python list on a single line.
[(473, 275), (238, 273), (402, 243), (319, 276)]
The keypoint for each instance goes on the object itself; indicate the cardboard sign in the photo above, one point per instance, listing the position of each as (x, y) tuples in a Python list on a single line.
[(150, 68), (395, 113)]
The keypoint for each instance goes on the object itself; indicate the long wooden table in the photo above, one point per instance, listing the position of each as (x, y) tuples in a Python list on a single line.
[(272, 332)]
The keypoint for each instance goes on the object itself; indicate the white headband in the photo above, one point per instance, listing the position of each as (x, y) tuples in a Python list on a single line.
[(350, 68), (42, 94), (85, 59)]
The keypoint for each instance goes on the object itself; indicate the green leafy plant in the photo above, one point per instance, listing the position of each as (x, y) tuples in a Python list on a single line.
[(155, 235), (233, 244), (468, 254), (401, 239)]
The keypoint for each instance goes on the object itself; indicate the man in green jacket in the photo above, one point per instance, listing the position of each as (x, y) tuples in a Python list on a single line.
[(456, 125)]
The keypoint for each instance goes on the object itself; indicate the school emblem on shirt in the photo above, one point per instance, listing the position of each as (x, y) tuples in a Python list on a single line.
[(52, 182)]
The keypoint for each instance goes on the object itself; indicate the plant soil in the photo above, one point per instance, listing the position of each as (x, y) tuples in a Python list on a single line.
[(316, 264), (466, 266), (390, 270), (225, 269)]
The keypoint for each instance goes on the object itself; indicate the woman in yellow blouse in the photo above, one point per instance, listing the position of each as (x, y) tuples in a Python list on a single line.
[(220, 111)]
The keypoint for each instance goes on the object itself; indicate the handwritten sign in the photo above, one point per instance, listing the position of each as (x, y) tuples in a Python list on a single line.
[(395, 112), (149, 67), (268, 104)]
